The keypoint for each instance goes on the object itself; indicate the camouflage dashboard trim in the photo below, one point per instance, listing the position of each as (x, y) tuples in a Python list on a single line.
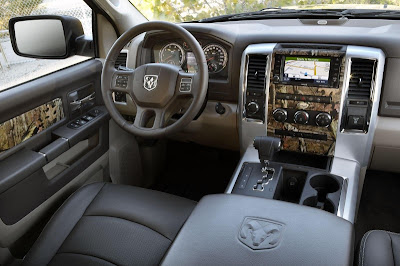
[(28, 124), (306, 145)]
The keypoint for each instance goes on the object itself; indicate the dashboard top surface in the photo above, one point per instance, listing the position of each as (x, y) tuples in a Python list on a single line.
[(384, 34)]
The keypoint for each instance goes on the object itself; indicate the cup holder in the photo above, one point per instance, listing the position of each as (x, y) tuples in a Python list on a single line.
[(324, 185), (325, 205)]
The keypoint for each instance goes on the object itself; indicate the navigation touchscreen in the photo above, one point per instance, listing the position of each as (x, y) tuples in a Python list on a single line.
[(307, 68)]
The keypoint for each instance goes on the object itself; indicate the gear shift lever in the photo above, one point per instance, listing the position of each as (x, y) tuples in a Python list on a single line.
[(266, 146)]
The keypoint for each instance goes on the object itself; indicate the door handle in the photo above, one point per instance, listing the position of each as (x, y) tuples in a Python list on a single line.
[(77, 104)]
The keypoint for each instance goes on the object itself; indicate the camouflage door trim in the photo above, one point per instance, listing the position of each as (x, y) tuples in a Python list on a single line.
[(28, 124)]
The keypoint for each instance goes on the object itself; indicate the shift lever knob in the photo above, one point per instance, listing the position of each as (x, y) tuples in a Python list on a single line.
[(266, 146)]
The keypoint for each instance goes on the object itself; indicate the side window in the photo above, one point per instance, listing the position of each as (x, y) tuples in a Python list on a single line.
[(14, 69)]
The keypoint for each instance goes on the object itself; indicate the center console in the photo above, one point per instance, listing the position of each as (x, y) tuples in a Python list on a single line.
[(320, 101), (307, 119)]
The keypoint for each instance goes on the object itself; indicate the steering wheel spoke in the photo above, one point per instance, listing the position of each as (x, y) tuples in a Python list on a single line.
[(146, 115), (159, 115)]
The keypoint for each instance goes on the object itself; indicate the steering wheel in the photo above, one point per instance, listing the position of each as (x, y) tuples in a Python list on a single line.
[(155, 87)]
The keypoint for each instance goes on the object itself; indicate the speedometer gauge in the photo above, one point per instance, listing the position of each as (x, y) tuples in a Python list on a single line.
[(216, 56), (173, 54)]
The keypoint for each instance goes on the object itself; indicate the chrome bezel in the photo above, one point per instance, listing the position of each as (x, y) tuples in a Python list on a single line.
[(225, 56), (180, 48)]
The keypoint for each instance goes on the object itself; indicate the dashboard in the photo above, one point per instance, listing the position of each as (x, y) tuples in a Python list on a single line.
[(282, 97)]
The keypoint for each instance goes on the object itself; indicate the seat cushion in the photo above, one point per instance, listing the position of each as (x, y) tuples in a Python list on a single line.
[(107, 224), (380, 248)]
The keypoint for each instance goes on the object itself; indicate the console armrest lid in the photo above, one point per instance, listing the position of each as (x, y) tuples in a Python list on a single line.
[(240, 230)]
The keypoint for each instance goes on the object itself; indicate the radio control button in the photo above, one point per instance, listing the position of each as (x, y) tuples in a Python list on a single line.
[(276, 78), (323, 119), (301, 117), (280, 115), (252, 108)]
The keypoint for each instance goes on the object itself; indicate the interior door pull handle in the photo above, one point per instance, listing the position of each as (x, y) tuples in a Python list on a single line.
[(78, 103)]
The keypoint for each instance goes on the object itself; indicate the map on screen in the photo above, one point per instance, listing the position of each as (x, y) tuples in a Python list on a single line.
[(307, 68)]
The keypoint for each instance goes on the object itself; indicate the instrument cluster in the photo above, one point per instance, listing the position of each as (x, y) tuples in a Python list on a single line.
[(179, 53)]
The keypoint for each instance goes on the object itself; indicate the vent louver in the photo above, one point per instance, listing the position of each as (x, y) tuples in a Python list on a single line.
[(121, 60), (362, 72), (256, 72)]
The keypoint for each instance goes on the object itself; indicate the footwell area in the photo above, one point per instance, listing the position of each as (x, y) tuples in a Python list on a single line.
[(193, 171), (379, 206)]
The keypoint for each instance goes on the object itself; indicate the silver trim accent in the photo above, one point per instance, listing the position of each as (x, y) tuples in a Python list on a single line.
[(279, 109), (353, 149), (324, 113), (43, 154), (356, 146), (301, 112), (257, 107), (250, 128), (342, 200)]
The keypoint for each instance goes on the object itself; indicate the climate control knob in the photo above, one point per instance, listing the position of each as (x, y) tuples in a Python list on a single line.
[(252, 108), (301, 117), (280, 114), (323, 119)]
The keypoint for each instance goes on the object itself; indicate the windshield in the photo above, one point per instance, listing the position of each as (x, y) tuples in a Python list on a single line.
[(189, 10)]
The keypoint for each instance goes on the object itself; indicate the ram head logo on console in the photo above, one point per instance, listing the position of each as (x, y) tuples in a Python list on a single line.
[(258, 233)]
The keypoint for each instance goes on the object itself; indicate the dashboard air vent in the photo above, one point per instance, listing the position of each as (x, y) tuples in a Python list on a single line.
[(121, 60), (362, 72), (256, 72)]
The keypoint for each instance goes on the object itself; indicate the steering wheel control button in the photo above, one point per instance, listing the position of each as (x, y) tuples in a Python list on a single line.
[(252, 108), (301, 117), (323, 119), (186, 85), (122, 81), (280, 115)]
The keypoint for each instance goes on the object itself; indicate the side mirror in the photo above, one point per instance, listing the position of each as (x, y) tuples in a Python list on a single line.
[(47, 37)]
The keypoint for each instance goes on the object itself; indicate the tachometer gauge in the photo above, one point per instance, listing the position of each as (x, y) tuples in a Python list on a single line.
[(173, 54), (216, 57)]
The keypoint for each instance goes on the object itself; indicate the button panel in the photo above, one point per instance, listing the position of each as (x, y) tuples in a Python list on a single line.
[(303, 98), (186, 85), (84, 119), (119, 97), (122, 81)]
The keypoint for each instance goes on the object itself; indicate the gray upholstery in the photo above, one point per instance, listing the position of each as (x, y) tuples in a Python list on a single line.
[(380, 248), (107, 224)]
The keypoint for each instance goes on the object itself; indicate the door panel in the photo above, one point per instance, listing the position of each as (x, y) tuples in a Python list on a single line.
[(41, 149)]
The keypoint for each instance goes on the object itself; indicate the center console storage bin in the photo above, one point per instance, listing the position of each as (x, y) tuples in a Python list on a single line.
[(230, 229)]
